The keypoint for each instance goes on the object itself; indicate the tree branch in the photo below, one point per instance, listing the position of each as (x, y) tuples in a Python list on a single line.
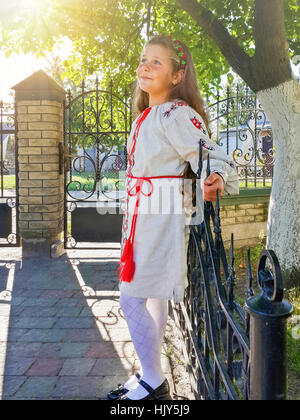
[(149, 18), (235, 55)]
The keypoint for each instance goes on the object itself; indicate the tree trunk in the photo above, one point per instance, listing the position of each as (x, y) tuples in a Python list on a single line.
[(282, 106), (229, 47), (271, 62)]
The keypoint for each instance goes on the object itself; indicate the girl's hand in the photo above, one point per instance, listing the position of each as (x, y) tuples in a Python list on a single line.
[(213, 183)]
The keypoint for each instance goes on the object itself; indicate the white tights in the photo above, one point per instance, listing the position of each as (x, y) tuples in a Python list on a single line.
[(146, 320)]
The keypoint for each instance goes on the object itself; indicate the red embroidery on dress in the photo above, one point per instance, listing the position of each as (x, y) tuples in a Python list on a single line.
[(198, 124), (204, 144), (174, 106)]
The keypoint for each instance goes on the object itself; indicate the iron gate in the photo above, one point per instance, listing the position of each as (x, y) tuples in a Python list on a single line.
[(97, 125), (9, 206)]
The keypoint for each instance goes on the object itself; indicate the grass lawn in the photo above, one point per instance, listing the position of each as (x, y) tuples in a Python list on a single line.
[(9, 182), (293, 345), (259, 184), (88, 184)]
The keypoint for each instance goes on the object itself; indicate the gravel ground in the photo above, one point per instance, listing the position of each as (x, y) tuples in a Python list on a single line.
[(182, 386)]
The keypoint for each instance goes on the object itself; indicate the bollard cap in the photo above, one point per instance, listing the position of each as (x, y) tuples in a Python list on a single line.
[(261, 307), (269, 303)]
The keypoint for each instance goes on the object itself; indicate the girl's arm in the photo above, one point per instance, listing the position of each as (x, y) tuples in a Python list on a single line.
[(185, 129), (212, 184)]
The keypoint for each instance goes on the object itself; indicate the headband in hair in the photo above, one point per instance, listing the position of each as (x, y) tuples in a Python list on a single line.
[(179, 50)]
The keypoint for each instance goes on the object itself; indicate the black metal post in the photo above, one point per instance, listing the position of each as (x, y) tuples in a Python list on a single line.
[(268, 319)]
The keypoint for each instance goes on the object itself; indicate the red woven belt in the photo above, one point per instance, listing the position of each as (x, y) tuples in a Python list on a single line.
[(127, 264)]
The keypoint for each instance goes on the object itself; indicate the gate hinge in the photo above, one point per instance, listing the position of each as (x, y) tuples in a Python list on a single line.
[(61, 158)]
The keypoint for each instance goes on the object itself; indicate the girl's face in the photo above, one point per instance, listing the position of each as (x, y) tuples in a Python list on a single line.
[(155, 73)]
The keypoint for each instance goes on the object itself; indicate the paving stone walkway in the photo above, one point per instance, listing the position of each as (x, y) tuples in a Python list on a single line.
[(62, 333)]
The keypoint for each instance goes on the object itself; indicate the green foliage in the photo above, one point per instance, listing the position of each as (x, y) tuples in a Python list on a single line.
[(292, 13), (108, 35), (97, 118)]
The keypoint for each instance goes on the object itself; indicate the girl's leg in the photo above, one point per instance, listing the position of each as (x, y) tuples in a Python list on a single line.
[(158, 309), (147, 340)]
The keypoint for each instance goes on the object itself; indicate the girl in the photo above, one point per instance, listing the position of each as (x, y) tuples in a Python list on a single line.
[(163, 149)]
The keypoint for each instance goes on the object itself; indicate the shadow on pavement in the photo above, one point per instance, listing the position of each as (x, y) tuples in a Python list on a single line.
[(62, 334)]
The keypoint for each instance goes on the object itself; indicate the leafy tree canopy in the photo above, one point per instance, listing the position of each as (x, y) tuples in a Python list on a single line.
[(108, 35)]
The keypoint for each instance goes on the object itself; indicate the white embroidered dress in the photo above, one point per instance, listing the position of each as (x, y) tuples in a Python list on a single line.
[(168, 138)]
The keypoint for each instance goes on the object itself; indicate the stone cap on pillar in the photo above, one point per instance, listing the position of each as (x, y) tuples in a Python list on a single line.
[(39, 86)]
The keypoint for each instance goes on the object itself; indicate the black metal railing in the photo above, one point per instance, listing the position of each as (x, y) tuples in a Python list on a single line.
[(9, 231), (218, 335)]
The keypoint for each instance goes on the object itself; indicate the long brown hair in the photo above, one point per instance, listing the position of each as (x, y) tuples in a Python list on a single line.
[(187, 90)]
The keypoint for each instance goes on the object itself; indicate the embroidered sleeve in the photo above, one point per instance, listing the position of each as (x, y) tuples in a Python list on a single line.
[(185, 131), (175, 105)]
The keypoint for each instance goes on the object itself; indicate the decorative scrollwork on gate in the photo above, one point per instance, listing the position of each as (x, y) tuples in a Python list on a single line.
[(241, 127), (11, 202), (97, 126)]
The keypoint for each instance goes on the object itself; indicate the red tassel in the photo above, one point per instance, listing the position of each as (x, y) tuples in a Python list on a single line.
[(128, 265), (128, 272), (127, 251)]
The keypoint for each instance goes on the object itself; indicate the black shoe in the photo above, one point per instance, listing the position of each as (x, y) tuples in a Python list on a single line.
[(160, 393), (115, 394)]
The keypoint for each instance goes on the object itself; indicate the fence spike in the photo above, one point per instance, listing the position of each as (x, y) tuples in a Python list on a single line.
[(200, 164), (218, 203), (232, 250), (217, 219), (208, 166), (249, 289), (231, 277)]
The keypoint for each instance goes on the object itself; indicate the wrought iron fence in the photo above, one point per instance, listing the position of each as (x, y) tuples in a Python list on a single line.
[(215, 328), (241, 127), (8, 177)]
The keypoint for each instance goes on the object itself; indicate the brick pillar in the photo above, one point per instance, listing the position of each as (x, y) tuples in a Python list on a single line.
[(39, 102)]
